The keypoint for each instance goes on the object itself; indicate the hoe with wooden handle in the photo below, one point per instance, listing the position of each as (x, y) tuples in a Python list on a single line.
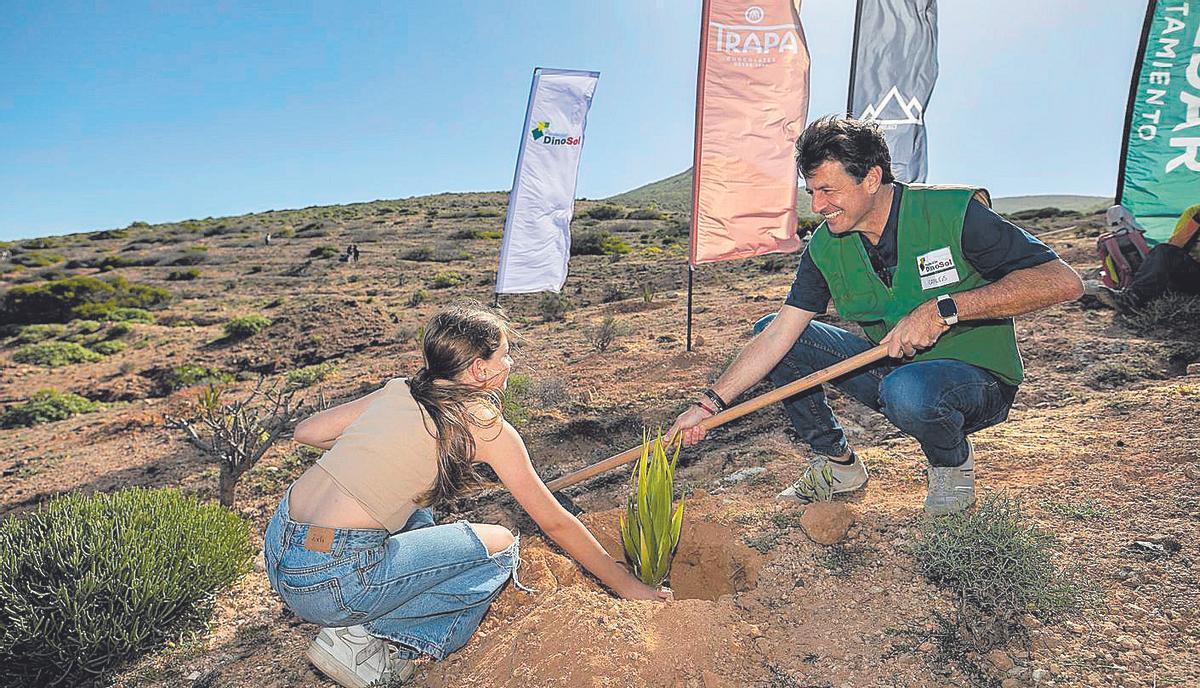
[(748, 406)]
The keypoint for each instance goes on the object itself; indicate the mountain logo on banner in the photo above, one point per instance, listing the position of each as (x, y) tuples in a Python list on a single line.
[(912, 111), (541, 134)]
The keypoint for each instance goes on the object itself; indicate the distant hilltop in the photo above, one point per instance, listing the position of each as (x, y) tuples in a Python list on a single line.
[(675, 193)]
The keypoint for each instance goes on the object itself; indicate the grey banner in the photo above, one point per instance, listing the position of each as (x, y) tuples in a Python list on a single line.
[(895, 68)]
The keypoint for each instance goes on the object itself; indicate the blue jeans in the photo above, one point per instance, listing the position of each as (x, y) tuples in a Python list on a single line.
[(937, 402), (425, 588)]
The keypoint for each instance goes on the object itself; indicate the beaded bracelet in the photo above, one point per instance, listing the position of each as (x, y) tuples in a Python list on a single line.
[(711, 411)]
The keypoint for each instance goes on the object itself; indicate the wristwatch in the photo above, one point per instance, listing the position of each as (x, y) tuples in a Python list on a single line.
[(947, 309)]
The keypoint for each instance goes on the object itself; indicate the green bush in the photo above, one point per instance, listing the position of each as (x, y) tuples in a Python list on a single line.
[(190, 375), (108, 347), (650, 213), (448, 278), (595, 242), (140, 315), (46, 406), (183, 275), (246, 326), (553, 306), (417, 298), (310, 375), (117, 330), (513, 398), (74, 297), (55, 354), (91, 582), (31, 334), (606, 212), (999, 567), (37, 260), (324, 252)]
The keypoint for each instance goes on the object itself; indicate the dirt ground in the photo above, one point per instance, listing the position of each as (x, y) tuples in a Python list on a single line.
[(1102, 448)]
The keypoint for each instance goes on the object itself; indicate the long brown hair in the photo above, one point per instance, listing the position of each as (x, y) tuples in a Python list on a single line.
[(454, 338)]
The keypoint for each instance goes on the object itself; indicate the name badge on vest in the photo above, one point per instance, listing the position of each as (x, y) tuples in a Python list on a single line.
[(936, 268)]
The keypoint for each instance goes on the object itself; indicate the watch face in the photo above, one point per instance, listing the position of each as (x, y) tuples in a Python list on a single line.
[(947, 308)]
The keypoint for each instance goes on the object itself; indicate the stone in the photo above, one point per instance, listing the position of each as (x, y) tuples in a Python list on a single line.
[(260, 565), (826, 523), (755, 631), (744, 474), (1010, 683), (1000, 659), (1193, 369), (1128, 642)]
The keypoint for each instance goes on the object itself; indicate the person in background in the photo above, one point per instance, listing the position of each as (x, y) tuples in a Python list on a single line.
[(1170, 266)]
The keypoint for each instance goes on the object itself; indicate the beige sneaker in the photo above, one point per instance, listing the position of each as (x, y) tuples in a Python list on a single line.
[(356, 659), (951, 489), (824, 478)]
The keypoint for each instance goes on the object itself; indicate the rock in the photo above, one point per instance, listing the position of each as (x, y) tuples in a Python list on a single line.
[(826, 523), (1000, 659), (743, 474), (755, 631), (260, 564), (1128, 642), (1192, 471), (1010, 683), (1193, 369), (193, 676)]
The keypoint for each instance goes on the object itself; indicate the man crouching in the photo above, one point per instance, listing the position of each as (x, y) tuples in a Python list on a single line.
[(931, 272)]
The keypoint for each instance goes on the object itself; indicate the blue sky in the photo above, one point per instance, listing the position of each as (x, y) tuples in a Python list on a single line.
[(117, 111)]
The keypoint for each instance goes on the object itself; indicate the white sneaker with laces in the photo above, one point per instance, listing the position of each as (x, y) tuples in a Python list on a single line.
[(356, 659)]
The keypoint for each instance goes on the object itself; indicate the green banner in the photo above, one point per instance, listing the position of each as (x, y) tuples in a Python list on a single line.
[(1160, 165)]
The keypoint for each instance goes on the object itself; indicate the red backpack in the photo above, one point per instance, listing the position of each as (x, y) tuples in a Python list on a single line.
[(1121, 253)]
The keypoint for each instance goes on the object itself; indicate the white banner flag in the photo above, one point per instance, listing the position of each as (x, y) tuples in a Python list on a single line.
[(537, 231)]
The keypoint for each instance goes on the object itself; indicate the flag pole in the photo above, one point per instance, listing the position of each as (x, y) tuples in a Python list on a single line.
[(698, 130), (1133, 87), (854, 58)]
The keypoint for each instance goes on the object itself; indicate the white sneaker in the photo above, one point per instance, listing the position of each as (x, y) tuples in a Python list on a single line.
[(824, 478), (356, 659)]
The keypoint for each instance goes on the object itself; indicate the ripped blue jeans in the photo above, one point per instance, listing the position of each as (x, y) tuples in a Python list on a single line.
[(425, 588), (937, 402)]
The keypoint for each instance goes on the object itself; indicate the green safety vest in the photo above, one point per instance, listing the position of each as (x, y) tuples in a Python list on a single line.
[(930, 263)]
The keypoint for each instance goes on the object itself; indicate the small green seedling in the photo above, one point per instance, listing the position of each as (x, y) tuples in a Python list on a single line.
[(649, 527)]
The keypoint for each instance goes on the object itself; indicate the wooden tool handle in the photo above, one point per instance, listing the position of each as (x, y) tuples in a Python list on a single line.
[(749, 406)]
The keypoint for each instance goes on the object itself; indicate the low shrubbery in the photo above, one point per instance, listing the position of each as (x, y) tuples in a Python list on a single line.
[(183, 275), (46, 406), (190, 375), (435, 254), (108, 347), (999, 567), (1172, 314), (37, 260), (448, 278), (553, 306), (310, 375), (55, 354), (513, 399), (75, 297), (595, 242), (92, 582), (31, 334), (651, 213), (606, 212), (323, 252), (246, 326), (602, 335)]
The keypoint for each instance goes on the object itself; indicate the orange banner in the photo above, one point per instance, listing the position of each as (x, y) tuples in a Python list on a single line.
[(751, 105)]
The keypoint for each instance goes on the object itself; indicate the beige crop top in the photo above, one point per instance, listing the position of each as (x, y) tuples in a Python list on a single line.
[(386, 458)]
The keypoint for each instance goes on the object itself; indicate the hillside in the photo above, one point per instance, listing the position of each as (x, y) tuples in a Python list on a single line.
[(674, 193), (1100, 447)]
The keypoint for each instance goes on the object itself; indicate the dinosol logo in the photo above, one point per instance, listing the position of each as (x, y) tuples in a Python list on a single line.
[(541, 134)]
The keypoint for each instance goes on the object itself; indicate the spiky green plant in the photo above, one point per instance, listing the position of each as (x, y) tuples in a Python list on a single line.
[(649, 527), (816, 487)]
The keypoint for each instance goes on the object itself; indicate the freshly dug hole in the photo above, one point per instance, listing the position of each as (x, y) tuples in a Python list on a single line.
[(710, 562)]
